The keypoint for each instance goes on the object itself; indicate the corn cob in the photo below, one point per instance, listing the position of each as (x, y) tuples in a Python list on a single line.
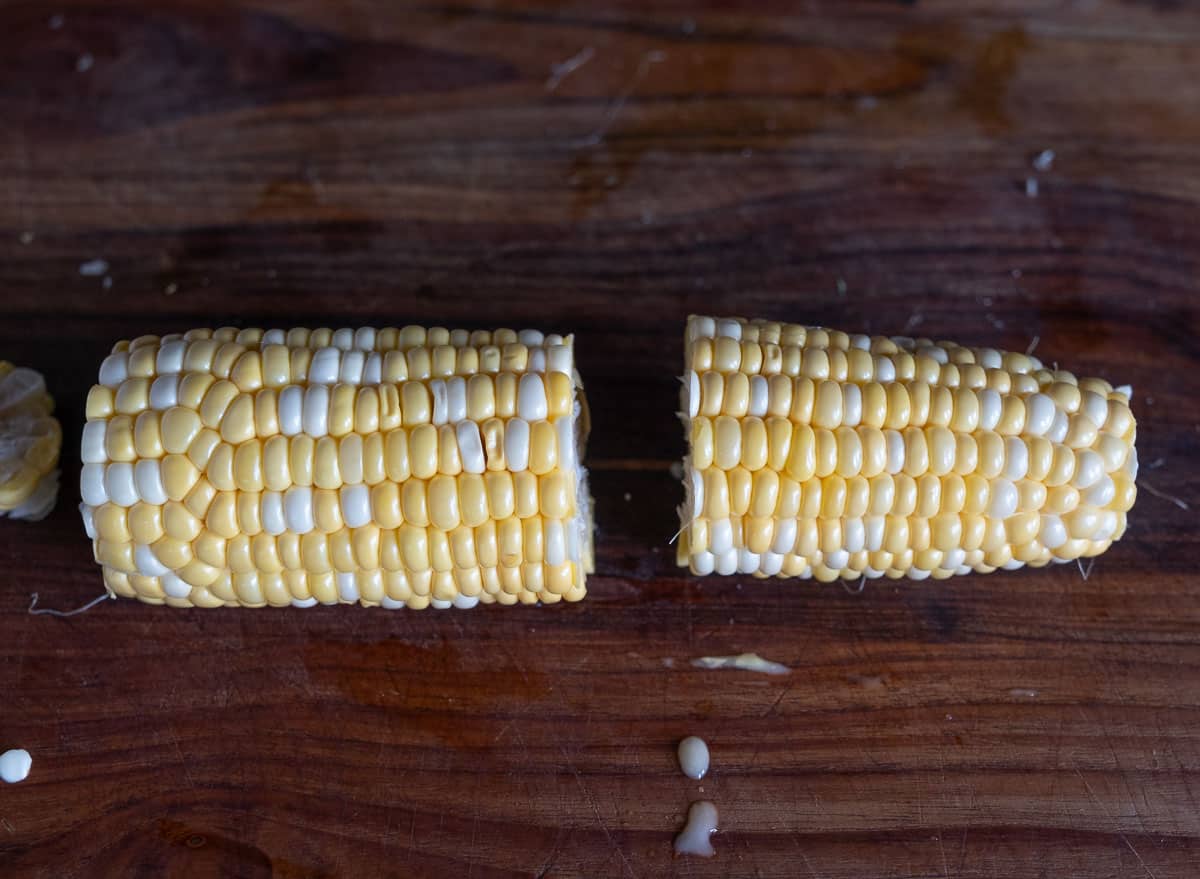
[(813, 453), (30, 439), (399, 467)]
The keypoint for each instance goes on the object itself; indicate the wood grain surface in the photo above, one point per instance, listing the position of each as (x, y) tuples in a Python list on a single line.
[(605, 169)]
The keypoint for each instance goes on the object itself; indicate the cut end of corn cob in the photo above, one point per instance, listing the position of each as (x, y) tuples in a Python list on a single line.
[(30, 440), (396, 467), (814, 453)]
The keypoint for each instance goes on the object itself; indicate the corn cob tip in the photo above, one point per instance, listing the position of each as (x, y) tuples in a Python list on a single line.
[(817, 453), (30, 440)]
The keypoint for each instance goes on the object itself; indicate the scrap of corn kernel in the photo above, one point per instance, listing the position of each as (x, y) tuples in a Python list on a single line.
[(396, 467), (814, 453)]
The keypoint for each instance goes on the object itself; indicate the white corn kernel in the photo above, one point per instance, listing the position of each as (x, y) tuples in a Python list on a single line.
[(169, 359), (347, 585), (895, 451), (438, 393), (91, 485), (1040, 413), (701, 327), (990, 407), (364, 338), (1016, 458), (1089, 467), (356, 505), (837, 560), (720, 536), (1100, 494), (298, 509), (164, 392), (851, 405), (456, 399), (697, 494), (748, 562), (516, 444), (373, 369), (568, 455), (556, 542), (92, 450), (174, 587), (147, 563), (558, 359), (1052, 534), (785, 536), (291, 410), (470, 447), (1004, 499), (531, 398), (1095, 407), (325, 366), (351, 370), (119, 484), (1058, 427), (274, 521), (316, 410), (759, 397), (114, 369), (147, 477), (854, 535)]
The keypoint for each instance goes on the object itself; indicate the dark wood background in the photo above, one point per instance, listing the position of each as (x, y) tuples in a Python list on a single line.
[(858, 164)]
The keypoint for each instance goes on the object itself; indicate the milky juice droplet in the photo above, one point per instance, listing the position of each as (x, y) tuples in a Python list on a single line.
[(693, 757), (695, 839), (743, 661), (15, 765)]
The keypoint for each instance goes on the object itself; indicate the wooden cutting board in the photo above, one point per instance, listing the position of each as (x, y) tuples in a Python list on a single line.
[(606, 169)]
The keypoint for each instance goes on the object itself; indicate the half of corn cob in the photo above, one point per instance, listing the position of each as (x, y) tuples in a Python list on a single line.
[(395, 467), (813, 453), (30, 440)]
